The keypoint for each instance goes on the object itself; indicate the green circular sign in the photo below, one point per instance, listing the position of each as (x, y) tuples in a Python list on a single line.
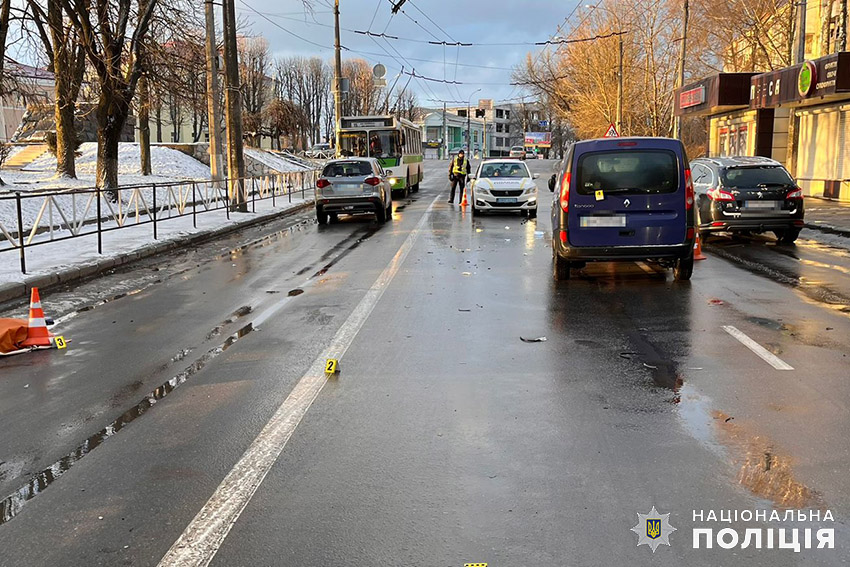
[(807, 78)]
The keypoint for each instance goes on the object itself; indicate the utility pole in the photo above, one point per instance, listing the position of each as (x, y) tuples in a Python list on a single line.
[(620, 87), (800, 56), (233, 112), (213, 114), (337, 81), (677, 120), (445, 134), (468, 133), (842, 30)]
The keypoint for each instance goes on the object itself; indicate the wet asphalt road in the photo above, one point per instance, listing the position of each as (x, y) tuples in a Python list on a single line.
[(445, 439)]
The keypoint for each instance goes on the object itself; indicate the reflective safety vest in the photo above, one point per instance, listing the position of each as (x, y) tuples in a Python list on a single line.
[(459, 168)]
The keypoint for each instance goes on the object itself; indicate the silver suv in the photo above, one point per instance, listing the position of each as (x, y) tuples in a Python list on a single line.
[(352, 186)]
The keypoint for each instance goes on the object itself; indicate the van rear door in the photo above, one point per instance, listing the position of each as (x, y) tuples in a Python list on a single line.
[(629, 193)]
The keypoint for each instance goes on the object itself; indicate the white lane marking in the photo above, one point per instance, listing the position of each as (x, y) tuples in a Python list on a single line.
[(760, 351), (202, 538)]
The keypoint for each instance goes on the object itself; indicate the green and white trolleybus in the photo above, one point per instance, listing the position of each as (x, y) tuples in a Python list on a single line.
[(395, 142)]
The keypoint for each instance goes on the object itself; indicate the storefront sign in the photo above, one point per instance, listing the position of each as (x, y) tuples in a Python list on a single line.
[(692, 97), (807, 78), (718, 93), (800, 84)]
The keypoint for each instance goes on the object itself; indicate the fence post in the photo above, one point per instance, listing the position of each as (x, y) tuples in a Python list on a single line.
[(273, 188), (289, 188), (21, 232), (302, 186), (154, 211), (194, 212), (253, 194), (99, 231), (228, 201)]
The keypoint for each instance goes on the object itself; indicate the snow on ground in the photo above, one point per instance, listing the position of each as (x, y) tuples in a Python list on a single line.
[(55, 256), (167, 165), (274, 161)]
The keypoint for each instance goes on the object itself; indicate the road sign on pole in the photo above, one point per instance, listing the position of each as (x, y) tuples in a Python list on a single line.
[(612, 132)]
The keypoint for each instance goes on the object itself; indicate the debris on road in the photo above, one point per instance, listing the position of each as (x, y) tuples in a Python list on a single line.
[(715, 301), (536, 340)]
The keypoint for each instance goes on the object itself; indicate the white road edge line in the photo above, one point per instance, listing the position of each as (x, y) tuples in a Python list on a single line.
[(760, 351), (204, 535)]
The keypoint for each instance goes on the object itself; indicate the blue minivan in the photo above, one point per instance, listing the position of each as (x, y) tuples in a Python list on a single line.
[(623, 199)]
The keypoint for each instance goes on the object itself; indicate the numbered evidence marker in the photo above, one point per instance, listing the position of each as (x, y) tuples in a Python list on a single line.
[(474, 565), (600, 195), (60, 342), (332, 366)]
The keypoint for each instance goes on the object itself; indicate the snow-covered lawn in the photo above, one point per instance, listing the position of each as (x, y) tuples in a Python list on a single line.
[(167, 165)]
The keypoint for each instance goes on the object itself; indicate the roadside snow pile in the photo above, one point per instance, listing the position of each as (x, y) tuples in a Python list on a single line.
[(165, 162), (273, 161)]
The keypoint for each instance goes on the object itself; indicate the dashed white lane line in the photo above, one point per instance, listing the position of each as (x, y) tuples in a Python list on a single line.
[(202, 538), (760, 351)]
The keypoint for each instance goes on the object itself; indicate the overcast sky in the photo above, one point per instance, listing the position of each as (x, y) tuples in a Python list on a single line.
[(468, 21)]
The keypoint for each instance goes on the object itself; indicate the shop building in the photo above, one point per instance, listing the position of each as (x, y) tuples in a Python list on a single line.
[(756, 115)]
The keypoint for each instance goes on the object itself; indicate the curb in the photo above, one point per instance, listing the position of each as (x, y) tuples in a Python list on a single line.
[(828, 229), (15, 290)]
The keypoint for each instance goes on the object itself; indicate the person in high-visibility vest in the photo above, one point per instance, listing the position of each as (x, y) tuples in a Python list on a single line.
[(458, 170)]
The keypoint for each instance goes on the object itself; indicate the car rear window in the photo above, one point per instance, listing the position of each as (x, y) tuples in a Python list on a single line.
[(755, 176), (627, 171), (347, 169)]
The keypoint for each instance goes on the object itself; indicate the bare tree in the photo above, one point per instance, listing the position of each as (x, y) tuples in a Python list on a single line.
[(363, 98), (113, 49), (254, 69)]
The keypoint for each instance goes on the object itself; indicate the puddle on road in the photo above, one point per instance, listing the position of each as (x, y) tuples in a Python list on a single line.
[(12, 504), (759, 466)]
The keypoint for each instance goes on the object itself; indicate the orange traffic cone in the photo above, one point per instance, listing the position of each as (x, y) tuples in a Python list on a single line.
[(37, 333), (463, 203), (698, 255)]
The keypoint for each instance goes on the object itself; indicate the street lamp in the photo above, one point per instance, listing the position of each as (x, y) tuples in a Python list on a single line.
[(619, 119), (469, 123)]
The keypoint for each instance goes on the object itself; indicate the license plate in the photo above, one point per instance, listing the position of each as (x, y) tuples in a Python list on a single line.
[(348, 208), (603, 222), (506, 199), (762, 204)]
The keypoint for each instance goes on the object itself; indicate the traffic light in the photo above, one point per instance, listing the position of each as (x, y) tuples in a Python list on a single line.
[(480, 113)]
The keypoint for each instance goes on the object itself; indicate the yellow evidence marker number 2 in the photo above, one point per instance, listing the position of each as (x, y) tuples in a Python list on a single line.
[(60, 342), (332, 366)]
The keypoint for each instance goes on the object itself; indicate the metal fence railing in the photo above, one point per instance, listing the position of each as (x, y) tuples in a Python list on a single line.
[(38, 218)]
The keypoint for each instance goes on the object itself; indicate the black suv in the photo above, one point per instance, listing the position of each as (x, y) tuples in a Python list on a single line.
[(747, 195)]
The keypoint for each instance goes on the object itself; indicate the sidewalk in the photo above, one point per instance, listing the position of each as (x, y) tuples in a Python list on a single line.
[(77, 258), (828, 217)]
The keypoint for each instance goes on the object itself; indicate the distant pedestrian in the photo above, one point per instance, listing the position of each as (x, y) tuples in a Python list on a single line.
[(458, 171)]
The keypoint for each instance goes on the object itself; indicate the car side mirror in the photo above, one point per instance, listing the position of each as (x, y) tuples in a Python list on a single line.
[(535, 176), (389, 172), (552, 183)]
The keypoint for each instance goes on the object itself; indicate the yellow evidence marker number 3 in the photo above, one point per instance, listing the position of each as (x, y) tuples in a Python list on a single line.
[(332, 366), (60, 342)]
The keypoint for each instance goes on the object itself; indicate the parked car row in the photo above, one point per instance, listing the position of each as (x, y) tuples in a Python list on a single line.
[(626, 199)]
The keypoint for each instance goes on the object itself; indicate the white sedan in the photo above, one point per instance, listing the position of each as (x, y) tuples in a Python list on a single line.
[(504, 185)]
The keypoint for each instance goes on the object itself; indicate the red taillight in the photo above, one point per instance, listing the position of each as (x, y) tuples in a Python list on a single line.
[(322, 183), (795, 194), (562, 234), (627, 144), (690, 233), (719, 194), (565, 192), (689, 190), (373, 181)]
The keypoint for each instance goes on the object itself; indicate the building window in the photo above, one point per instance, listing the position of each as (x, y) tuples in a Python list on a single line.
[(461, 112), (500, 113), (507, 114), (498, 127), (507, 128)]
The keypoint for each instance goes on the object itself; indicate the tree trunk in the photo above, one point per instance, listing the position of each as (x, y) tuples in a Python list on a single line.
[(144, 126), (159, 123), (112, 112), (68, 74)]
